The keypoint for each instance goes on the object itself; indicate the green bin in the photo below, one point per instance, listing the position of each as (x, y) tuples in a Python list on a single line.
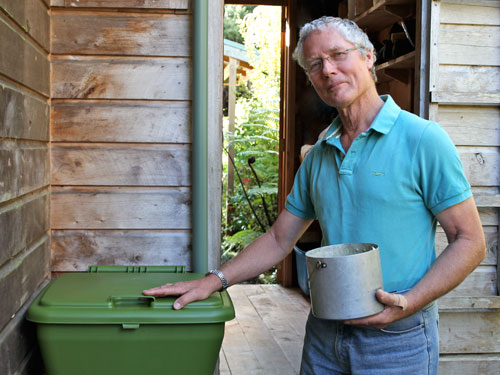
[(100, 323)]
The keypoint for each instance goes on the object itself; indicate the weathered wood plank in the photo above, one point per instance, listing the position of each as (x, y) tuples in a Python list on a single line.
[(469, 45), (489, 3), (275, 317), (489, 216), (466, 332), (481, 165), (468, 79), (76, 250), (158, 122), (223, 365), (32, 17), (23, 115), (470, 14), (471, 125), (103, 78), (483, 364), (470, 304), (214, 131), (121, 34), (157, 4), (22, 223), (491, 235), (487, 200), (240, 358), (268, 353), (24, 167), (481, 282), (120, 164), (434, 26), (120, 208), (464, 98), (21, 60), (17, 341), (22, 278)]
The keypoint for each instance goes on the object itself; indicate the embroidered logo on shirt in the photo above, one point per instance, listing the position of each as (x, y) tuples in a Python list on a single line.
[(375, 173)]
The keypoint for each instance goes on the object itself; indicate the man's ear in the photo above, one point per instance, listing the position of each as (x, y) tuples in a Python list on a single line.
[(369, 60)]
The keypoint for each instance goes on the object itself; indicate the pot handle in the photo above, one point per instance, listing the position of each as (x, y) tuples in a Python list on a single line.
[(319, 265)]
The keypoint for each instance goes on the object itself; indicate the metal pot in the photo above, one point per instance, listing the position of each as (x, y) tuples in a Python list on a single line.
[(343, 280)]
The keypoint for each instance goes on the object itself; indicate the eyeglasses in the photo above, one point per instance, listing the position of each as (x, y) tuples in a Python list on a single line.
[(316, 65)]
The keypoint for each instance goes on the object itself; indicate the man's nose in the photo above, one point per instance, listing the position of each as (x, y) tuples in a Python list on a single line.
[(329, 67)]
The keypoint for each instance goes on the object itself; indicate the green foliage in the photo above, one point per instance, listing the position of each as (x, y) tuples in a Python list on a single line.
[(257, 137), (238, 241), (261, 30), (252, 208), (233, 16)]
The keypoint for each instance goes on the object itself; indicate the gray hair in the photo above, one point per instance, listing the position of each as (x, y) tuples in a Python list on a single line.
[(349, 31)]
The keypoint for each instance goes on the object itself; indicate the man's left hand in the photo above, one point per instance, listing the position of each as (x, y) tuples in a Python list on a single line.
[(395, 309)]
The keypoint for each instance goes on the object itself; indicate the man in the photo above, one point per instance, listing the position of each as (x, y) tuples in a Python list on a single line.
[(380, 175)]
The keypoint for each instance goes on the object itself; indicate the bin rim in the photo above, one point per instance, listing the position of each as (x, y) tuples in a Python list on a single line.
[(49, 308)]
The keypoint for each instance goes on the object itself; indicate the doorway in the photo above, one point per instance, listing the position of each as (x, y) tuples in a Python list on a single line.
[(252, 121)]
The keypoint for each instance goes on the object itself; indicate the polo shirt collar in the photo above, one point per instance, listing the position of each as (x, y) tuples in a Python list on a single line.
[(383, 123)]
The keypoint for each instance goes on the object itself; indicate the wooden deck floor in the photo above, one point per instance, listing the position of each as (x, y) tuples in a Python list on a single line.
[(267, 334)]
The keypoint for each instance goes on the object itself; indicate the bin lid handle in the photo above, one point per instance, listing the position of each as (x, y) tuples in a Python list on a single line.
[(116, 301)]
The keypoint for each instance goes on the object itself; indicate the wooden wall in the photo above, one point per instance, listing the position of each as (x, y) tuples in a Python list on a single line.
[(24, 174), (464, 82), (120, 133)]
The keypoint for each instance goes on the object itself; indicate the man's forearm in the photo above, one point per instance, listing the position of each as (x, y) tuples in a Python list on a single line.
[(454, 264), (464, 253), (267, 251)]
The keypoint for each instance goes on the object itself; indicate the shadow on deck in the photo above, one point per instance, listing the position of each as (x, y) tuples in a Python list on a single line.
[(267, 334)]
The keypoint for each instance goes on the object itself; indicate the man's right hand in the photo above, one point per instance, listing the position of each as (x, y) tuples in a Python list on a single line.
[(188, 291)]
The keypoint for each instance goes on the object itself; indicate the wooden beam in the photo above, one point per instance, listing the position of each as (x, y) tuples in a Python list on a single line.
[(257, 2), (75, 250), (23, 61), (145, 4), (23, 115), (24, 167), (116, 121), (120, 164), (120, 208), (490, 200), (120, 33), (101, 77), (466, 98), (22, 223)]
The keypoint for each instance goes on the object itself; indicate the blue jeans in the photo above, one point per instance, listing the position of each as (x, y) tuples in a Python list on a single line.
[(407, 346)]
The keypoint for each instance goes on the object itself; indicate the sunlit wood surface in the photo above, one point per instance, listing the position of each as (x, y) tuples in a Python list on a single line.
[(267, 334)]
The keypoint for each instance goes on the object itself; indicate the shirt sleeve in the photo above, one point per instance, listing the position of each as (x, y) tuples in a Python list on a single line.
[(439, 171), (299, 201)]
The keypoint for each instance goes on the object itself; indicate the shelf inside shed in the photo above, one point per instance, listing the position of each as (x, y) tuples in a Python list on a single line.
[(384, 13)]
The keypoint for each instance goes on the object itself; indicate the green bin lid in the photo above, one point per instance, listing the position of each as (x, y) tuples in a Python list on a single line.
[(116, 298)]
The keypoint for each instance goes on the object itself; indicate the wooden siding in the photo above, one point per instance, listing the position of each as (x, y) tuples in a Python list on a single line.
[(121, 34), (464, 81), (120, 133), (24, 174), (108, 121)]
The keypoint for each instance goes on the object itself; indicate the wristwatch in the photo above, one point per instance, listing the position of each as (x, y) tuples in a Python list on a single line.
[(221, 276)]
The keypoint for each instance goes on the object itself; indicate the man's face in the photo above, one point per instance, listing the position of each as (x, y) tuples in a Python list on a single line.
[(339, 78)]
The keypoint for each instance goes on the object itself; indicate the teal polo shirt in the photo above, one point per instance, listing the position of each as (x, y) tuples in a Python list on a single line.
[(387, 189)]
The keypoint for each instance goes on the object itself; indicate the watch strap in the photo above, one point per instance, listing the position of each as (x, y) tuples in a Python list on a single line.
[(221, 276)]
